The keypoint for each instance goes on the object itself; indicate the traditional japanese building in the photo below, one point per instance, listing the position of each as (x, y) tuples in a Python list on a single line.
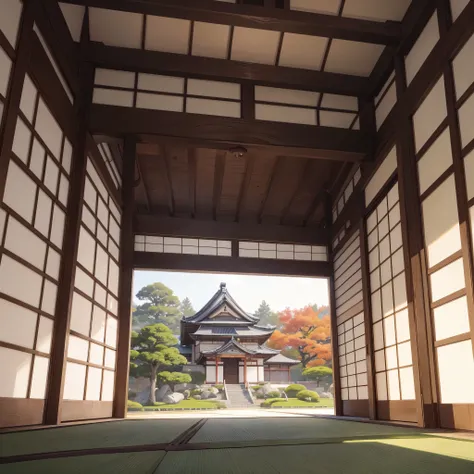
[(231, 345)]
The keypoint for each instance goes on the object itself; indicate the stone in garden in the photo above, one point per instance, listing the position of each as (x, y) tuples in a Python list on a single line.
[(197, 397), (214, 390), (162, 392), (173, 398), (325, 395), (205, 394), (259, 393), (181, 387), (212, 395), (143, 396), (267, 388)]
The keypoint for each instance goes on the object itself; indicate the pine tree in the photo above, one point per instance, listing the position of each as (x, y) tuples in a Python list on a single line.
[(186, 308), (266, 315)]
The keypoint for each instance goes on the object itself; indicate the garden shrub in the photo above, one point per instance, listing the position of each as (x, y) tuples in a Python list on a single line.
[(293, 389), (186, 394), (197, 378), (255, 387), (274, 394), (196, 391), (134, 406), (219, 386), (268, 403), (260, 396), (308, 396), (132, 394)]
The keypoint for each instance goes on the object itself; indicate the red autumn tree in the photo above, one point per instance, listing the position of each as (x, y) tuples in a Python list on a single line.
[(306, 332)]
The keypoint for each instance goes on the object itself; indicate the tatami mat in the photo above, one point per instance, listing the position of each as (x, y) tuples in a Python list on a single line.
[(387, 457), (98, 435), (136, 463), (241, 430)]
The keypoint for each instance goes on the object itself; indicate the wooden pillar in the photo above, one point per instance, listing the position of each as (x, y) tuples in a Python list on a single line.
[(245, 370), (17, 78), (335, 350), (217, 370), (289, 374), (126, 280), (415, 263), (71, 240)]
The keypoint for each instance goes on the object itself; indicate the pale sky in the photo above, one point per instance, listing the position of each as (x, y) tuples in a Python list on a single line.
[(248, 291)]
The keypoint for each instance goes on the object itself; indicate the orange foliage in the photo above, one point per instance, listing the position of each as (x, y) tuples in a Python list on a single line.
[(305, 331)]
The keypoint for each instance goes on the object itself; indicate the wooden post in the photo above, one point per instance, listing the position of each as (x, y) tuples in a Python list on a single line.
[(245, 370), (289, 375), (415, 264), (71, 239), (126, 280), (217, 370)]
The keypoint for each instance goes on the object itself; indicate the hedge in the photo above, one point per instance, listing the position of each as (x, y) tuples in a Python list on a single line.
[(293, 389), (307, 396), (274, 394), (268, 403), (134, 406)]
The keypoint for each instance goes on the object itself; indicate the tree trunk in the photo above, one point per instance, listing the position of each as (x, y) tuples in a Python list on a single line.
[(153, 384)]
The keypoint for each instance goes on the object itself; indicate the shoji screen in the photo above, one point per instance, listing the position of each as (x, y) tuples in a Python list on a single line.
[(350, 327), (391, 332), (90, 370), (444, 248), (32, 218)]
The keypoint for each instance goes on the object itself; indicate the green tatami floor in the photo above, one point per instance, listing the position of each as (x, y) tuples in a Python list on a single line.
[(220, 446)]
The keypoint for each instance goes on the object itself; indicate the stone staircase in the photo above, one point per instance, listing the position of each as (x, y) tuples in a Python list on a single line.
[(238, 397)]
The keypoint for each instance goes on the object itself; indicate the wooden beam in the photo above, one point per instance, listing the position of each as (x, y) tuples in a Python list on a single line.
[(126, 281), (156, 62), (249, 16), (193, 228), (246, 266), (218, 181), (297, 140)]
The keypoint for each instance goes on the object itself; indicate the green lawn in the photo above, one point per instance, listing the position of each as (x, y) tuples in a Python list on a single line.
[(187, 404), (294, 402)]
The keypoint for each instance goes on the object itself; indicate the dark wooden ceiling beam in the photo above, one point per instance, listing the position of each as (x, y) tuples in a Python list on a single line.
[(208, 229), (246, 266), (218, 181), (249, 16), (291, 139), (156, 62)]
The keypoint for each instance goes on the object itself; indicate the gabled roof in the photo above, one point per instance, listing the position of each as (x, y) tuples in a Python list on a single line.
[(237, 331), (281, 359), (222, 298), (231, 347)]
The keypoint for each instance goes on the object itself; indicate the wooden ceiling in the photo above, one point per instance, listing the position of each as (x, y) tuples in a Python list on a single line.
[(262, 187)]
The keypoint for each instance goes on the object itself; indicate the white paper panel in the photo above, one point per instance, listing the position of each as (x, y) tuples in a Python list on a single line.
[(403, 326), (386, 105), (381, 382), (20, 192), (441, 222), (376, 10), (255, 46), (457, 6), (328, 7), (122, 28), (14, 374), (111, 332), (407, 383), (114, 78), (335, 119), (74, 381), (45, 335), (160, 102), (13, 317), (462, 68), (170, 35), (381, 176), (86, 250), (422, 48), (80, 314), (456, 373), (94, 379), (340, 102), (48, 129), (19, 281), (10, 15), (302, 51), (210, 40), (469, 167), (435, 161), (98, 324), (466, 118), (451, 319), (96, 354), (40, 377), (152, 82), (275, 113), (28, 98), (226, 90), (448, 280), (77, 348), (74, 15), (108, 385), (5, 69), (213, 107), (430, 114), (112, 97)]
